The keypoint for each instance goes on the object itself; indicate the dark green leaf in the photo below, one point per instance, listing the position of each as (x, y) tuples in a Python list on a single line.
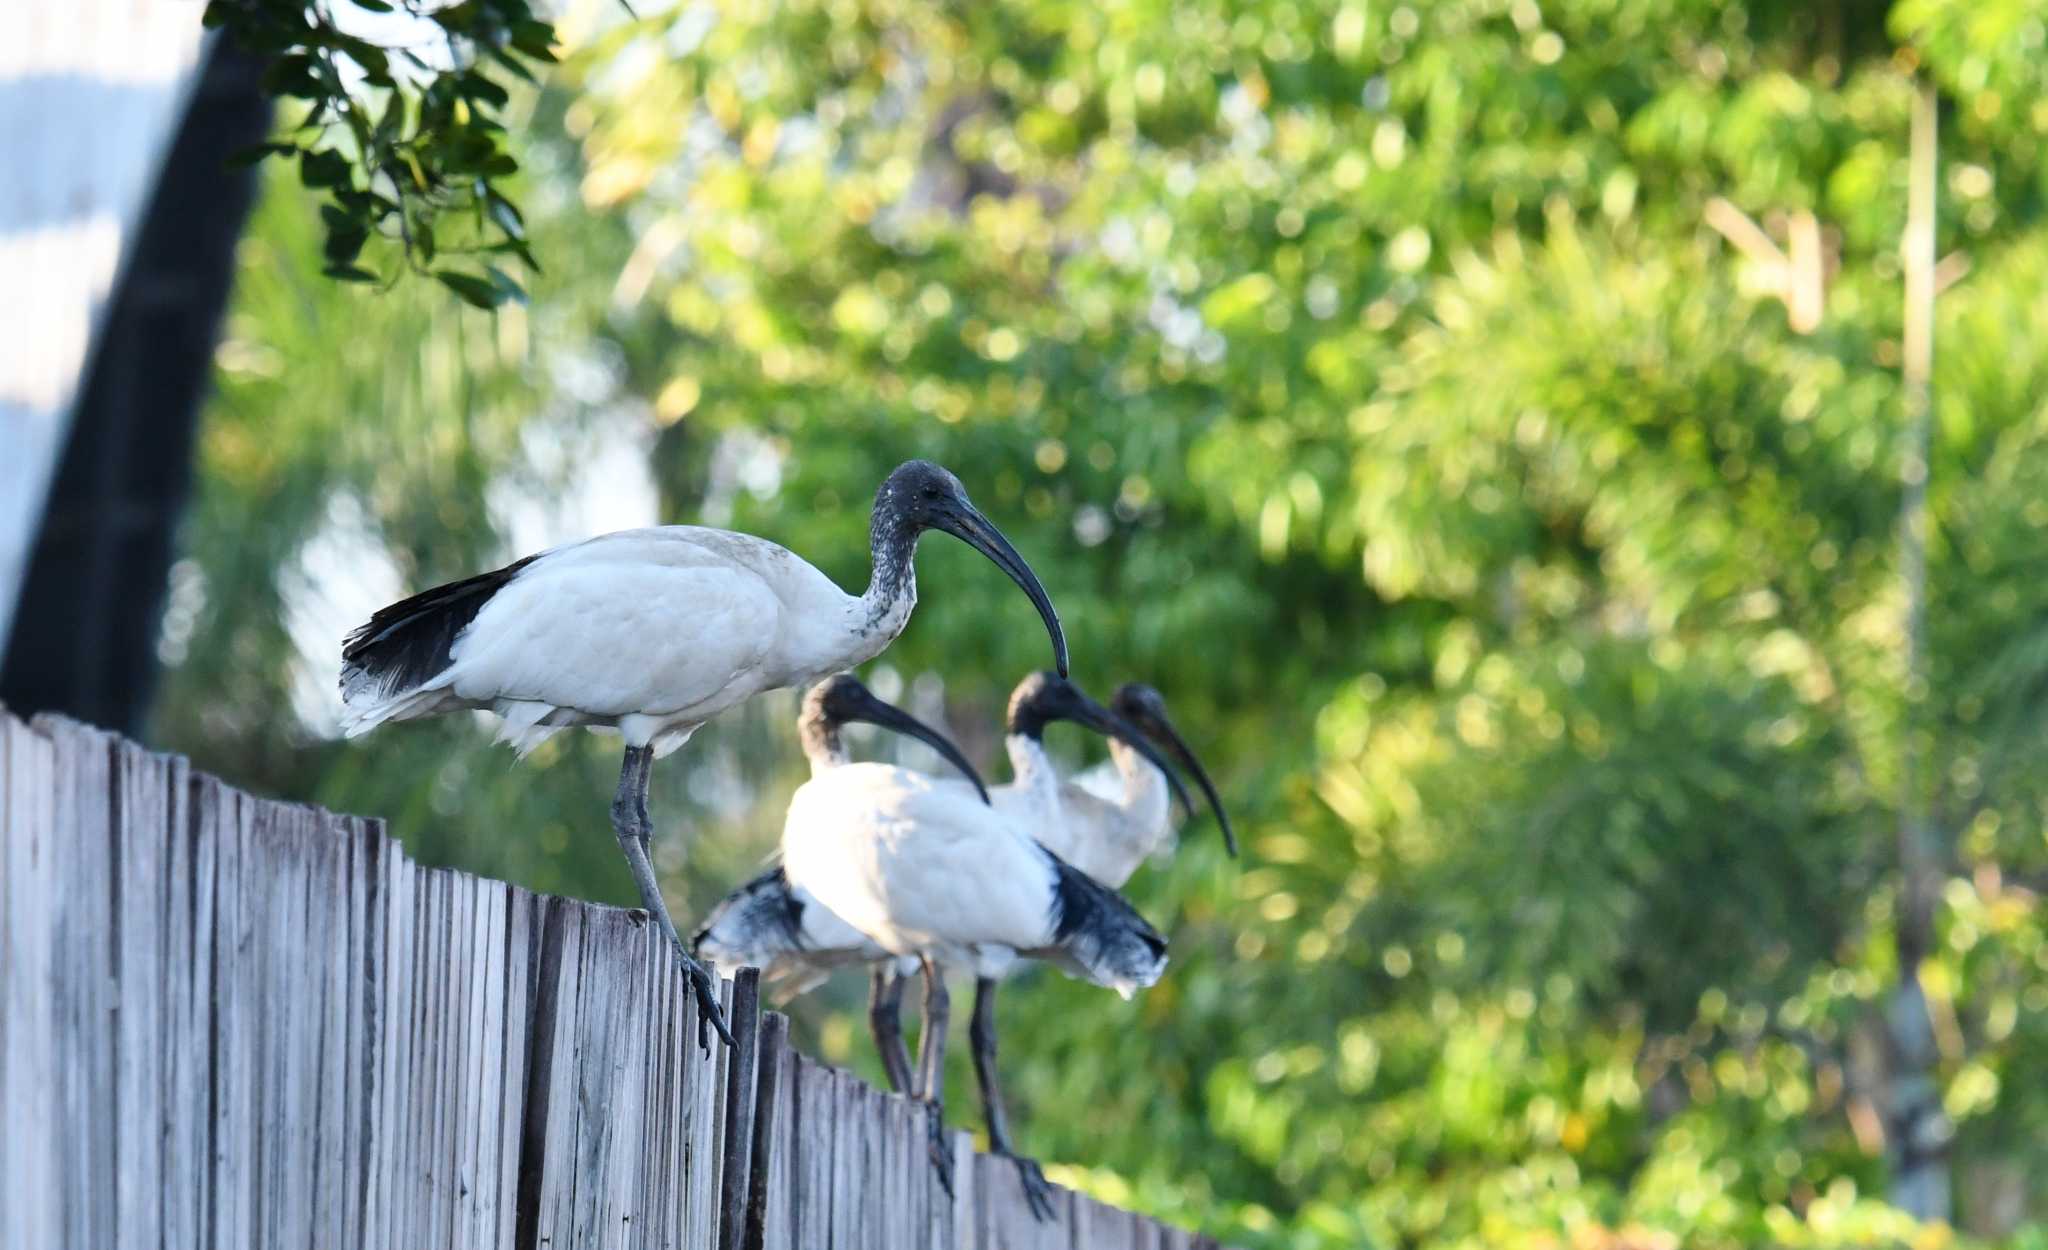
[(248, 156), (511, 62), (343, 246), (458, 18), (472, 289), (366, 54), (349, 273), (477, 87), (535, 39), (507, 285), (506, 214), (292, 76), (324, 168), (516, 247)]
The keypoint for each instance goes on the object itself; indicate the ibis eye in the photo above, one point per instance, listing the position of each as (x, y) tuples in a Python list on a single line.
[(931, 492)]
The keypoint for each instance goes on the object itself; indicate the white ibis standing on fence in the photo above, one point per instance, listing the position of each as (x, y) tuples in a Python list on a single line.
[(649, 633), (771, 925), (924, 871), (1105, 838)]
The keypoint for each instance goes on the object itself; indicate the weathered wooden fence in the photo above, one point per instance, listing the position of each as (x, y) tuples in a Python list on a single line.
[(232, 1022)]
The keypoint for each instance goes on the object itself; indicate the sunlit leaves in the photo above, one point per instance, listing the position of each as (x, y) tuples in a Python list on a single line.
[(404, 138)]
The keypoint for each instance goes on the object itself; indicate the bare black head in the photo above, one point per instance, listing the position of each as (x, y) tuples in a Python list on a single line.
[(1144, 707), (1042, 698), (922, 496), (842, 699)]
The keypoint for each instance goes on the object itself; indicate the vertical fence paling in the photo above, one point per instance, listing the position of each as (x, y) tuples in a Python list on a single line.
[(226, 1021)]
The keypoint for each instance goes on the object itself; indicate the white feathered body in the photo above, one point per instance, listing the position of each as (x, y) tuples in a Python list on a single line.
[(924, 868), (920, 867), (1105, 822), (648, 632), (1112, 817), (783, 929)]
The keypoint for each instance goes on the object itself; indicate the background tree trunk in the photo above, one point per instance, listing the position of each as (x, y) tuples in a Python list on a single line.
[(1918, 1131)]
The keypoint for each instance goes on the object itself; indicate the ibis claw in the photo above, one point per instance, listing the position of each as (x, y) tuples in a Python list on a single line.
[(940, 1149), (1037, 1190), (709, 1014)]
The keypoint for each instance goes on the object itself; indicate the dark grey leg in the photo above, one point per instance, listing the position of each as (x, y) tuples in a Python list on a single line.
[(931, 1073), (633, 828), (981, 1033), (885, 1021)]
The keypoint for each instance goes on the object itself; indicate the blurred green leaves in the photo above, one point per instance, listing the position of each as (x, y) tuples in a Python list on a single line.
[(404, 138)]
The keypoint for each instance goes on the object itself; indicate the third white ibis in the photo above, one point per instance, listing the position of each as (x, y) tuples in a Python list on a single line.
[(649, 633), (1116, 814)]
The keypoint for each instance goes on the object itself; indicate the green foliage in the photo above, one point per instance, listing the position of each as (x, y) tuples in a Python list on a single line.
[(403, 142), (1367, 378)]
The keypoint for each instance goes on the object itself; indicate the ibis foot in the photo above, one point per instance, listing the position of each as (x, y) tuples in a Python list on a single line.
[(709, 1014), (939, 1147), (1037, 1190)]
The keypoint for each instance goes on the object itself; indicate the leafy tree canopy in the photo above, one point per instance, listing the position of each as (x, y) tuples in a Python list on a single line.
[(395, 122)]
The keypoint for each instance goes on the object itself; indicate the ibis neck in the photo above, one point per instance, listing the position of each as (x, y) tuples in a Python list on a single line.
[(821, 743), (1146, 803), (884, 608), (1032, 773)]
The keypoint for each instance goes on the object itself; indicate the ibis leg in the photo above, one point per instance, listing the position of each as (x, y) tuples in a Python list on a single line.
[(931, 1072), (885, 1021), (634, 828), (981, 1033)]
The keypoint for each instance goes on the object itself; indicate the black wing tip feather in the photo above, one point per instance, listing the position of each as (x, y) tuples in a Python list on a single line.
[(1080, 901), (768, 893), (410, 642)]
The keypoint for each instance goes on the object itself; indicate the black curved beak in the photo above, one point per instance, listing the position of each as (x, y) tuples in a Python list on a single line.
[(1082, 710), (1162, 730), (876, 712), (974, 529)]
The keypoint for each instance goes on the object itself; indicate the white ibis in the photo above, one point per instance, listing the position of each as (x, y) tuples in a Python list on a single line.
[(1105, 838), (771, 925), (923, 870), (649, 633)]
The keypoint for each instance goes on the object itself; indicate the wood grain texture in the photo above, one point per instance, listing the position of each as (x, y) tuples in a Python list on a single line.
[(230, 1022)]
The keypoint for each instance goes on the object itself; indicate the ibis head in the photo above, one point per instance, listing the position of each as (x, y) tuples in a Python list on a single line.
[(842, 699), (1043, 697), (921, 496), (1144, 707)]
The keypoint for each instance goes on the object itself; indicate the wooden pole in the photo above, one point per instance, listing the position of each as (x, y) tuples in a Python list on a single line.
[(1918, 1131)]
